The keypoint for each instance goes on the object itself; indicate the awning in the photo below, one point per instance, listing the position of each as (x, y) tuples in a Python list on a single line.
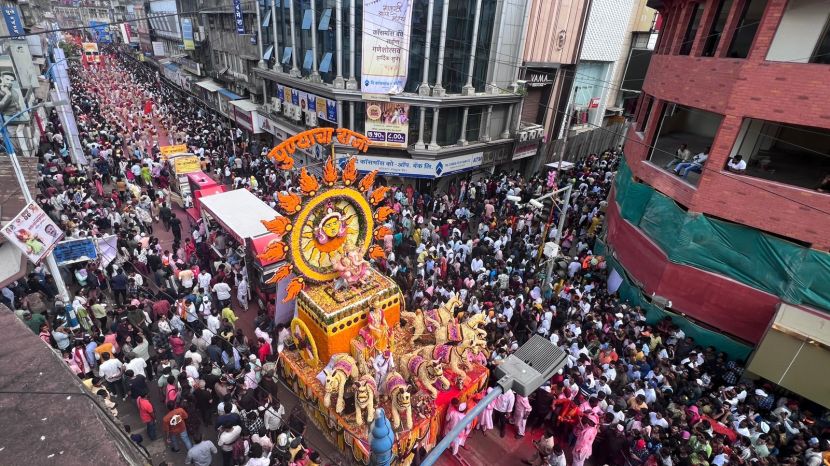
[(172, 66), (245, 105), (230, 95), (239, 212), (209, 84), (565, 165)]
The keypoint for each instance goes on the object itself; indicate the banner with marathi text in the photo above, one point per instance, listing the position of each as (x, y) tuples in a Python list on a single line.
[(187, 34), (33, 232), (386, 30)]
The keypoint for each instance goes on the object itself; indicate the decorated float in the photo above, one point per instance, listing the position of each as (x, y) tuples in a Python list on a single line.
[(356, 348)]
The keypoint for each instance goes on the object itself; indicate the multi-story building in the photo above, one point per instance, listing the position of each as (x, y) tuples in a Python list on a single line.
[(432, 83), (739, 245), (554, 38)]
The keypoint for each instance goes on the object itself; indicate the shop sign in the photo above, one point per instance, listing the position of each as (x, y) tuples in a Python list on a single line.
[(526, 149), (187, 164), (538, 79), (167, 151), (414, 168)]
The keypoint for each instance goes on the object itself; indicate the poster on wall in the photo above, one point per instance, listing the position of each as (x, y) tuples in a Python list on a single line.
[(387, 124), (187, 34), (158, 49), (11, 97), (386, 25), (33, 232)]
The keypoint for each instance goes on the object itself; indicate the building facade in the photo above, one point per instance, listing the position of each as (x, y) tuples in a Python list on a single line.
[(740, 248), (554, 38), (455, 103)]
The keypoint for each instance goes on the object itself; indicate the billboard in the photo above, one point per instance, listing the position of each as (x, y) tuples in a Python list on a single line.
[(387, 124), (11, 97), (13, 22), (387, 26), (187, 34), (101, 32), (33, 232)]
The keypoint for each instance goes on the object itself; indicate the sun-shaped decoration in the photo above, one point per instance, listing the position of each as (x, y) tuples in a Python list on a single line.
[(326, 224)]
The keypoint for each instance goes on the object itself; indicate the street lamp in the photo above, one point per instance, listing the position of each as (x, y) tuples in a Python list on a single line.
[(27, 195)]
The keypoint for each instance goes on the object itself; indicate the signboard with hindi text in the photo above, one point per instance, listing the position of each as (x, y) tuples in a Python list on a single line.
[(387, 124), (167, 151), (33, 232), (387, 26), (185, 164)]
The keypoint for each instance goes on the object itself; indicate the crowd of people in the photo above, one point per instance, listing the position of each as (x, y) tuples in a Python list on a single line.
[(162, 316)]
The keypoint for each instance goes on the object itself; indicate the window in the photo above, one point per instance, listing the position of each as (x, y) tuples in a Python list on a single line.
[(822, 52), (715, 32), (790, 154), (746, 28), (473, 123), (684, 134), (648, 102), (691, 30)]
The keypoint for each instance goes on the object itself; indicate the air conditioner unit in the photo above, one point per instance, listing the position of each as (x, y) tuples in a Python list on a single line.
[(311, 119), (523, 136), (267, 108), (296, 113), (276, 104), (287, 110)]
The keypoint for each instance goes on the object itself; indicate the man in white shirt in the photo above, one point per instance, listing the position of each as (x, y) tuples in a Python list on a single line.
[(696, 165), (111, 370), (737, 164), (502, 409), (204, 281), (223, 293)]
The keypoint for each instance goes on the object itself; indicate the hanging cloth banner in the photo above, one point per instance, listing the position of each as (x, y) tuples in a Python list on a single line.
[(237, 16), (386, 30)]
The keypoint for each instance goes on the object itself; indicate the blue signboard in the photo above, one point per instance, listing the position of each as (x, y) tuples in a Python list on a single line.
[(13, 22), (102, 32), (237, 15), (78, 250)]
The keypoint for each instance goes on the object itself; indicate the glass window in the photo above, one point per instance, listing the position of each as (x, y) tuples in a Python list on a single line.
[(746, 28), (449, 126), (691, 30), (267, 54), (473, 123), (325, 19), (822, 52), (286, 55), (715, 32), (307, 16), (648, 103), (308, 60), (266, 21), (683, 139), (325, 65)]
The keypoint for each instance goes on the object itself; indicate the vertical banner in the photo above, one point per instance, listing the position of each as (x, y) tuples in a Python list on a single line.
[(13, 22), (33, 232), (387, 124), (237, 15), (11, 98), (187, 34), (158, 49), (386, 30)]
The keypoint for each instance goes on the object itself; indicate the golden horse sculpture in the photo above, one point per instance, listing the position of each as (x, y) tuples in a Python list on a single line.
[(366, 392), (428, 371), (427, 322), (469, 332), (396, 387), (344, 369), (455, 356)]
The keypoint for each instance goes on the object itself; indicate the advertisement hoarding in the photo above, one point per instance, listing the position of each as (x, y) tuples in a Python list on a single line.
[(33, 232), (387, 124)]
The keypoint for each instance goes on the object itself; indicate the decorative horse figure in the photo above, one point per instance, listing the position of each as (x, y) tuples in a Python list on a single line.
[(468, 333), (395, 385), (366, 392), (426, 322), (344, 368), (415, 367), (455, 356)]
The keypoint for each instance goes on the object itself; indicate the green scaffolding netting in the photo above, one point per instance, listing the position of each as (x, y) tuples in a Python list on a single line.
[(631, 294), (796, 274)]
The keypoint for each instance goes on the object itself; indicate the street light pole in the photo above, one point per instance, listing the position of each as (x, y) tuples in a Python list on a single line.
[(27, 195)]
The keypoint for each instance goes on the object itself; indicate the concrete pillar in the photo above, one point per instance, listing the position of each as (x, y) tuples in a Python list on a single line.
[(260, 63), (462, 140), (468, 88), (352, 82), (277, 57), (315, 74), (434, 144), (438, 90), (486, 136), (295, 70), (423, 89), (506, 133), (339, 82), (422, 121)]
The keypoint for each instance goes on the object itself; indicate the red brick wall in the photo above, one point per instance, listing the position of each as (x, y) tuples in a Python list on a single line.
[(790, 93)]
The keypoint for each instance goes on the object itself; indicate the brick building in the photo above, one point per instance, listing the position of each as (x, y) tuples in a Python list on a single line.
[(743, 252)]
